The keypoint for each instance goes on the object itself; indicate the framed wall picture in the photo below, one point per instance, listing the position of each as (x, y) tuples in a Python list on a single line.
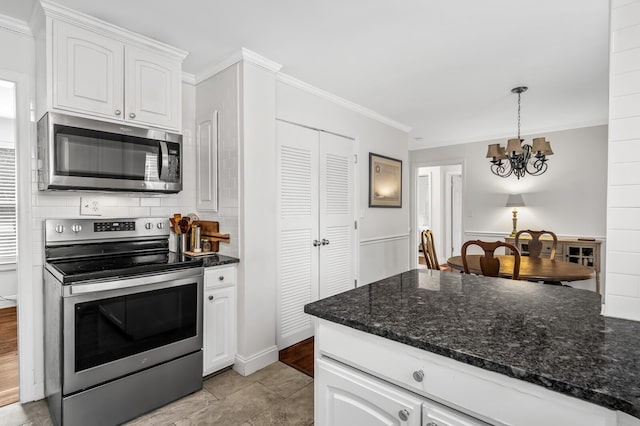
[(385, 181)]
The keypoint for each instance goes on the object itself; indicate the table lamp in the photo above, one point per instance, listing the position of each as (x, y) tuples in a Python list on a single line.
[(515, 200)]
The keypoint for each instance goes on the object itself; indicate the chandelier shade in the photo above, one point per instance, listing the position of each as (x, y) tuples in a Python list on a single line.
[(521, 159)]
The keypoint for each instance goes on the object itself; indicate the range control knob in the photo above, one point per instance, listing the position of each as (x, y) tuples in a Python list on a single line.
[(148, 225), (76, 228), (59, 229), (160, 225)]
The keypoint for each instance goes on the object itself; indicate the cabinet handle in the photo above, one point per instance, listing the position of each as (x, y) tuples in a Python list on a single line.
[(118, 112), (316, 243), (418, 375), (221, 278), (404, 415), (210, 297), (325, 242), (132, 115)]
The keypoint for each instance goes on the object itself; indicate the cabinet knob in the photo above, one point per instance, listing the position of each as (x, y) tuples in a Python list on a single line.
[(210, 297), (118, 112), (132, 115), (404, 415), (418, 375), (432, 424), (221, 278)]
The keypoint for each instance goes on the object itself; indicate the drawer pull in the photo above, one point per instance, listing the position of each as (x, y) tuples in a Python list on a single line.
[(404, 415), (418, 375), (210, 297), (221, 278)]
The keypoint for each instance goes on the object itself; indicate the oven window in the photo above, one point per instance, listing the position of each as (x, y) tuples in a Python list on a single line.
[(88, 153), (110, 329)]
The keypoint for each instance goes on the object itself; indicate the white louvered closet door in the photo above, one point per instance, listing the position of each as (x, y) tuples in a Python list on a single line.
[(337, 231), (298, 228)]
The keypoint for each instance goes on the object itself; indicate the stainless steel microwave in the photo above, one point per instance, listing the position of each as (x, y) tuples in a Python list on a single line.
[(84, 154)]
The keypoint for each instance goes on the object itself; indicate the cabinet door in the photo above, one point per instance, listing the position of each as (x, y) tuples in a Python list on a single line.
[(207, 164), (297, 271), (219, 328), (337, 230), (88, 71), (346, 396), (152, 89)]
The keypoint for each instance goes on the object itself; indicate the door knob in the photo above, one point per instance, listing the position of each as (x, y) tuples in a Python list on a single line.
[(316, 243), (325, 242)]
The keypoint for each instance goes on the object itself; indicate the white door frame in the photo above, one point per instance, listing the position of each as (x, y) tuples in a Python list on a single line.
[(25, 135), (415, 235), (448, 234)]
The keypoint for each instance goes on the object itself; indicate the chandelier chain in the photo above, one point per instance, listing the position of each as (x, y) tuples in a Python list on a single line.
[(519, 115)]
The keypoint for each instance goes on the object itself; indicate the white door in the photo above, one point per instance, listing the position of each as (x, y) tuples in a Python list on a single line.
[(297, 272), (350, 397), (316, 235), (219, 328), (88, 72), (152, 89), (337, 230)]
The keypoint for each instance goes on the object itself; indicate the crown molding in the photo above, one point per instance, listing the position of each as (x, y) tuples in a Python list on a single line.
[(188, 78), (243, 54), (294, 82), (526, 134), (63, 13), (7, 23)]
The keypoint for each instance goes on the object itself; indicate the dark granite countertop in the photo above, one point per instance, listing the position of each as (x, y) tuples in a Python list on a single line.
[(551, 336), (215, 259)]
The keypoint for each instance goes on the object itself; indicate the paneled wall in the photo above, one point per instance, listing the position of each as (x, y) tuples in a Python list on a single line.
[(623, 227)]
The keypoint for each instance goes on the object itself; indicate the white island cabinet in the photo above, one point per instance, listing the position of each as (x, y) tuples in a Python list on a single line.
[(219, 318), (363, 379), (97, 70)]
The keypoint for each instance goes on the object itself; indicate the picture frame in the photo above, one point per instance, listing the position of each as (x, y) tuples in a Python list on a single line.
[(385, 181)]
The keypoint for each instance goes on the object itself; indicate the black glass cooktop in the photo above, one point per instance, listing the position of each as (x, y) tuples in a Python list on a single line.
[(70, 271)]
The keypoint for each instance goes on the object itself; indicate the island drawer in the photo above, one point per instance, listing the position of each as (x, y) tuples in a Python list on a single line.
[(492, 397)]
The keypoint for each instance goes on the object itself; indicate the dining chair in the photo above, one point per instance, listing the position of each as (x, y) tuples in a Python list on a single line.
[(535, 245), (489, 265), (429, 251)]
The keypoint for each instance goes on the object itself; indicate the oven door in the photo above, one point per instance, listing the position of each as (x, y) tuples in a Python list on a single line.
[(114, 328)]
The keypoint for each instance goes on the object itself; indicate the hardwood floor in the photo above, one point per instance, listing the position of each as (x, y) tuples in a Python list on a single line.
[(8, 356), (299, 356)]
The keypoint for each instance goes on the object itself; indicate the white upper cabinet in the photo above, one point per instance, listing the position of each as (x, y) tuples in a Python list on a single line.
[(87, 71), (97, 70), (152, 88)]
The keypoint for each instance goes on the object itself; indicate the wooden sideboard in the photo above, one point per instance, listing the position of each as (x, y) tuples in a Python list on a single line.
[(585, 252)]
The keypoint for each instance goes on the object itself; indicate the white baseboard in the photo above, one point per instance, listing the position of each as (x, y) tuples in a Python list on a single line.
[(247, 365)]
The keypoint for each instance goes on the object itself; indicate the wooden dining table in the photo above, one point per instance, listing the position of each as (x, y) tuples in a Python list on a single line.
[(531, 268)]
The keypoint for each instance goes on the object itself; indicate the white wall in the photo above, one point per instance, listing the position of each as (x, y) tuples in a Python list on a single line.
[(220, 93), (568, 199), (383, 232), (623, 227)]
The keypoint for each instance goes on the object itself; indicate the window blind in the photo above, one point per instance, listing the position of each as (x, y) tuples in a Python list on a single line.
[(8, 218)]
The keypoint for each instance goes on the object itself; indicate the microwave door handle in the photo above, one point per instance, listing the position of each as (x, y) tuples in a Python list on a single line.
[(164, 161)]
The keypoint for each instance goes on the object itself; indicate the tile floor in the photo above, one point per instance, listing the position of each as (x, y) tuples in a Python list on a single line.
[(276, 395)]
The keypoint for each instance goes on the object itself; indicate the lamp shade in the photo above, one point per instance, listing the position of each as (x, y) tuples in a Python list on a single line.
[(514, 145), (493, 150), (515, 200), (538, 145)]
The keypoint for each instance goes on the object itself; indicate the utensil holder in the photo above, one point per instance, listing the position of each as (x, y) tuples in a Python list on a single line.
[(182, 243)]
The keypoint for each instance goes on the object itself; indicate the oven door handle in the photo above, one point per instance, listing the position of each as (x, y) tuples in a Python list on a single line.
[(98, 286), (164, 163)]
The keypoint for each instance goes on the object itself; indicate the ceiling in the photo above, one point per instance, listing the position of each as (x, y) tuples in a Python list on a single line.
[(445, 68)]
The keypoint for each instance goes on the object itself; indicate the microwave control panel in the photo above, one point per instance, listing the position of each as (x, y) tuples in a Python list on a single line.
[(173, 174)]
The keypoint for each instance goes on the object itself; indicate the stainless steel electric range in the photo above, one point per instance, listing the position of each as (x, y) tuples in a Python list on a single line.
[(123, 320)]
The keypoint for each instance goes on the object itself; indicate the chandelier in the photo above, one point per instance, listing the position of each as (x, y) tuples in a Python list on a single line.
[(520, 158)]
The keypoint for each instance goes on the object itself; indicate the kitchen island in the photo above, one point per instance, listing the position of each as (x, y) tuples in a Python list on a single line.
[(463, 349)]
